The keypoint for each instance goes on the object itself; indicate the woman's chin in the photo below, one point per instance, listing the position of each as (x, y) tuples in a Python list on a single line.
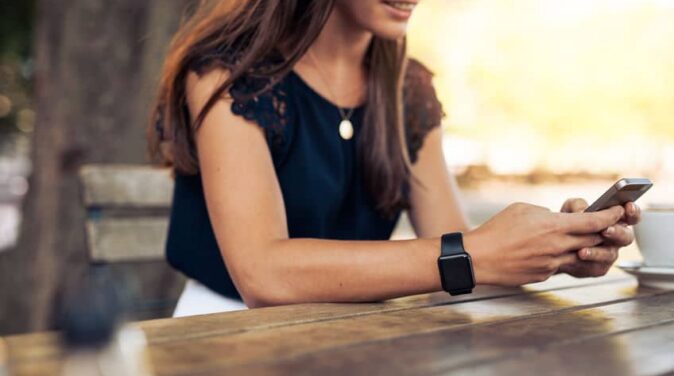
[(394, 31)]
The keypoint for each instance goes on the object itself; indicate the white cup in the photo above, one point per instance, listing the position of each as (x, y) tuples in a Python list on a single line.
[(655, 236)]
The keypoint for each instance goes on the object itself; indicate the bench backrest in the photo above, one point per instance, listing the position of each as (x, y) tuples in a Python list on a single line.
[(127, 211)]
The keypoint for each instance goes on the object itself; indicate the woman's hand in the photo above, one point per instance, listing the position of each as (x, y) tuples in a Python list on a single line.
[(596, 261), (526, 243)]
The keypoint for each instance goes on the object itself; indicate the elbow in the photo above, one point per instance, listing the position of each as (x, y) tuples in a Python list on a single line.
[(257, 301), (262, 287)]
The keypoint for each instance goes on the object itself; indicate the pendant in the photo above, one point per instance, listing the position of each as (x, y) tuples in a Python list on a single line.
[(346, 129)]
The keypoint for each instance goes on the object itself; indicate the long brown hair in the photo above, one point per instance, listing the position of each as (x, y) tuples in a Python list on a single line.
[(244, 33)]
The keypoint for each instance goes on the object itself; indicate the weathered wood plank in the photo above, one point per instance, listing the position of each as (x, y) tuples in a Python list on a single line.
[(279, 335), (126, 239), (42, 346), (135, 186), (47, 367), (220, 353), (32, 354), (167, 330), (648, 351), (3, 358), (517, 343), (32, 347)]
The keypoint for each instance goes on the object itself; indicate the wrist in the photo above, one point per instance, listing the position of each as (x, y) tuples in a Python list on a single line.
[(432, 247), (474, 243)]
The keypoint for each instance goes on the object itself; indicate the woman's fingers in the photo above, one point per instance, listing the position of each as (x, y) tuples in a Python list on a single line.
[(548, 266), (583, 269), (606, 255), (619, 234), (588, 223), (568, 258), (574, 205), (576, 242), (632, 213)]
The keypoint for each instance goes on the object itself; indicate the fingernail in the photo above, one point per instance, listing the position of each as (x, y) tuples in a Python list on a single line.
[(609, 231), (588, 253)]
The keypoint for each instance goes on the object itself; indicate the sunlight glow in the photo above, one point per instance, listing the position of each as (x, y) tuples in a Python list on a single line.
[(565, 86)]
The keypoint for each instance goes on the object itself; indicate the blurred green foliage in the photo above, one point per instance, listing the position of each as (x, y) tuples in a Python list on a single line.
[(16, 36), (16, 26)]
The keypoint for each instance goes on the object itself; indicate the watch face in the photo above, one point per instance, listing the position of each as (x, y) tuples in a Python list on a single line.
[(457, 272)]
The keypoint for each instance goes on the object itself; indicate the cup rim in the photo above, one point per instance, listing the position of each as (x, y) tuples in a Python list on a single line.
[(659, 206)]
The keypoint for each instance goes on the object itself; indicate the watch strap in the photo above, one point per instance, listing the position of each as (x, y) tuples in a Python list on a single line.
[(452, 244)]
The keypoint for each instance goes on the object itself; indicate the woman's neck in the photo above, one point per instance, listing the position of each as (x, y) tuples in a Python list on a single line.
[(341, 42), (333, 65)]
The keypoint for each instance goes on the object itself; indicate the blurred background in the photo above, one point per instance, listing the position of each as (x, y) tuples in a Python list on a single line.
[(545, 99)]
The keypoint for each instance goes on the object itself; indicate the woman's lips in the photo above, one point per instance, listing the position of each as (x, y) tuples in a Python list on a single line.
[(400, 9)]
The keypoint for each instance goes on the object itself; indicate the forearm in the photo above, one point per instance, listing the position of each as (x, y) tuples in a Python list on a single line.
[(311, 270)]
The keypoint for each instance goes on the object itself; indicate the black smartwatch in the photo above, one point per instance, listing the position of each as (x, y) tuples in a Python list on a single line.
[(456, 266)]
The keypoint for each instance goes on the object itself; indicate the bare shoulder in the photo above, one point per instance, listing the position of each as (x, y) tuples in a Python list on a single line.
[(223, 133), (200, 87)]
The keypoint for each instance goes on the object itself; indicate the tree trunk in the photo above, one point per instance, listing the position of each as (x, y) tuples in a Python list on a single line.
[(96, 63)]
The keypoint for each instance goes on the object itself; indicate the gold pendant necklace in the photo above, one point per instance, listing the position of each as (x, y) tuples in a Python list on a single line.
[(345, 126), (346, 129)]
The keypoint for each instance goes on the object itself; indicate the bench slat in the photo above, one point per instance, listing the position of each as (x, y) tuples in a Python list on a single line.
[(126, 239), (129, 186)]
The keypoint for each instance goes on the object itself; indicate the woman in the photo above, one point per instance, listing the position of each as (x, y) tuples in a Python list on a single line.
[(298, 131)]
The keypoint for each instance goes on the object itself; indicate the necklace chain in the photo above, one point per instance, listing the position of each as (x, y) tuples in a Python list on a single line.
[(344, 114)]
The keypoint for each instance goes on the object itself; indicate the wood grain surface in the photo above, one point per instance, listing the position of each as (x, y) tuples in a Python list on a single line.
[(3, 358), (607, 325)]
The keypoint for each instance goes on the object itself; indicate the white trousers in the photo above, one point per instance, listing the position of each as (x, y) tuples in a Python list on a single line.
[(198, 299)]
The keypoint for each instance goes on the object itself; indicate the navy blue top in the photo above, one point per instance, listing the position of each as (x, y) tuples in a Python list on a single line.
[(319, 173)]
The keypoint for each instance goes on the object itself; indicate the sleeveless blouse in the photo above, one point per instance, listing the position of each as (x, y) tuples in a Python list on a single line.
[(319, 173)]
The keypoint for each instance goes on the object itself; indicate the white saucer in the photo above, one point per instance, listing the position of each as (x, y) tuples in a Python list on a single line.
[(658, 277)]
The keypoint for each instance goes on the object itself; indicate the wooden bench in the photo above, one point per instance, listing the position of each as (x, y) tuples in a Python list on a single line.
[(126, 225)]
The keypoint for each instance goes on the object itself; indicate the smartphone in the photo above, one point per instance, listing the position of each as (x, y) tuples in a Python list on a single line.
[(622, 192)]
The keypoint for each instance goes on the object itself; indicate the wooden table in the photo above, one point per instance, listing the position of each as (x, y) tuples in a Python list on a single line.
[(565, 326)]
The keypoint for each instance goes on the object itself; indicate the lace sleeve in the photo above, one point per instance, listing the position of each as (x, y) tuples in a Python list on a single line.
[(269, 108), (422, 109), (257, 98)]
